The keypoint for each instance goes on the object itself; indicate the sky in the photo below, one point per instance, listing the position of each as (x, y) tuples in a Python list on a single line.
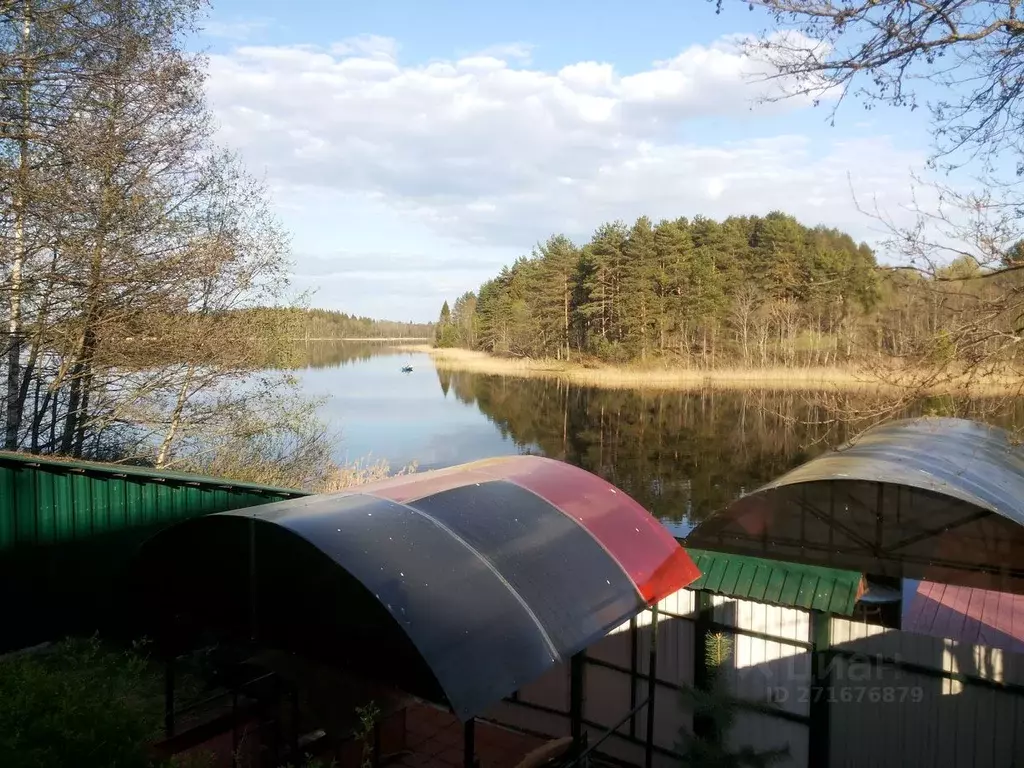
[(412, 148)]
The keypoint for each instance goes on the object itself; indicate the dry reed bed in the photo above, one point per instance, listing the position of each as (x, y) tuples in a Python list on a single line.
[(678, 378)]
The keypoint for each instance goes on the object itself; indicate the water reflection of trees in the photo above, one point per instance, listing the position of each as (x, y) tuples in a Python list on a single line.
[(680, 454), (331, 354)]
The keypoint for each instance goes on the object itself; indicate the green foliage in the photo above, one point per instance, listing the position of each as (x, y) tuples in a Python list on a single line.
[(368, 717), (464, 320), (696, 290), (79, 704), (717, 651), (718, 708), (447, 336)]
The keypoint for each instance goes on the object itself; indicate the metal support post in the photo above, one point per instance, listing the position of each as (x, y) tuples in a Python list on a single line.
[(652, 687), (576, 700), (469, 744)]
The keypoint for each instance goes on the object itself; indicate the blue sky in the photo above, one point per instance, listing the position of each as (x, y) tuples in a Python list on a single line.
[(413, 148)]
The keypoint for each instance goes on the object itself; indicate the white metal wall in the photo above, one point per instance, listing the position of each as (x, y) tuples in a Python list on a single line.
[(774, 671), (889, 714), (952, 724)]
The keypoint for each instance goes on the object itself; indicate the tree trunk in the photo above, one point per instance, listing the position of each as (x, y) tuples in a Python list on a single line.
[(82, 421), (565, 315), (14, 403), (78, 400), (179, 407), (71, 417), (39, 411)]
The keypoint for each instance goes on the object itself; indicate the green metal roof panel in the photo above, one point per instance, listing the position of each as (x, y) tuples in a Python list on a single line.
[(745, 582), (776, 583), (793, 585)]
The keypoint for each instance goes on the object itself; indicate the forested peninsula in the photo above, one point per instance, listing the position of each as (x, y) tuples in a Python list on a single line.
[(749, 292)]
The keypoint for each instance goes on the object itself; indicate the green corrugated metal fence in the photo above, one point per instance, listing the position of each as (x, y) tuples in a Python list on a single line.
[(67, 530)]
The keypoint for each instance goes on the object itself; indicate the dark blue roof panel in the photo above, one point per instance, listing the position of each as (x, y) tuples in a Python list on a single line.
[(467, 586)]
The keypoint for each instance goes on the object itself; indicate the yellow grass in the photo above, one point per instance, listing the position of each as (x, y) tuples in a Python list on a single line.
[(681, 378), (359, 473)]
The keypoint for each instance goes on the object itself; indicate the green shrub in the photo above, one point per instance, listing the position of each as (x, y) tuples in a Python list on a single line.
[(79, 705)]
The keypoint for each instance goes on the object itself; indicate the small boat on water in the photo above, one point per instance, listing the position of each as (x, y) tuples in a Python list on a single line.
[(406, 369)]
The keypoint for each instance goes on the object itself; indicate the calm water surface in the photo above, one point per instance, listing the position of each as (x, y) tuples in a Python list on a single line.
[(680, 454), (383, 413)]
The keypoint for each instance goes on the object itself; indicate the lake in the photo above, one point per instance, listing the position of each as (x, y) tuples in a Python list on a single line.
[(682, 455)]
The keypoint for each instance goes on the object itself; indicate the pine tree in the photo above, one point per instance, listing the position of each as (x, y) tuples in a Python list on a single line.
[(445, 334), (602, 261), (777, 251), (638, 286), (717, 707), (674, 248), (551, 292), (464, 319)]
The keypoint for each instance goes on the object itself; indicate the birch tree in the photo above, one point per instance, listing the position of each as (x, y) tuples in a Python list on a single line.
[(129, 240), (237, 259)]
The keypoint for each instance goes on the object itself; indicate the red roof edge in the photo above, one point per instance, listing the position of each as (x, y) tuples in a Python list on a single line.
[(676, 572)]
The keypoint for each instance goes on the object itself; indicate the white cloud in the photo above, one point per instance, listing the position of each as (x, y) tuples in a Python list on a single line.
[(518, 51), (488, 150), (373, 47)]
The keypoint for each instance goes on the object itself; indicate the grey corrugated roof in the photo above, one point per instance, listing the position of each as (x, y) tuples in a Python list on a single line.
[(937, 499), (974, 462)]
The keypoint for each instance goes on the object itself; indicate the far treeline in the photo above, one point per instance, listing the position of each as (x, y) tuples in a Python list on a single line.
[(294, 323), (749, 290)]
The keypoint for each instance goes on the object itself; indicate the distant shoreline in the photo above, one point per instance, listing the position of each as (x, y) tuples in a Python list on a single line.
[(606, 376)]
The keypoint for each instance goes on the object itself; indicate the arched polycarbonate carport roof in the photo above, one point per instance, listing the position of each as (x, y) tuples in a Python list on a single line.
[(928, 498), (460, 585)]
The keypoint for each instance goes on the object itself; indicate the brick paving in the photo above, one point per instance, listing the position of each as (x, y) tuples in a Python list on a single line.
[(434, 739)]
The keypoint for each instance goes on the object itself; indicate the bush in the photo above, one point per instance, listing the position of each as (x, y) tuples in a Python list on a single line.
[(81, 705)]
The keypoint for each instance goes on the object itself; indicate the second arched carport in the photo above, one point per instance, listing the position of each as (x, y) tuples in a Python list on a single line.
[(935, 499)]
